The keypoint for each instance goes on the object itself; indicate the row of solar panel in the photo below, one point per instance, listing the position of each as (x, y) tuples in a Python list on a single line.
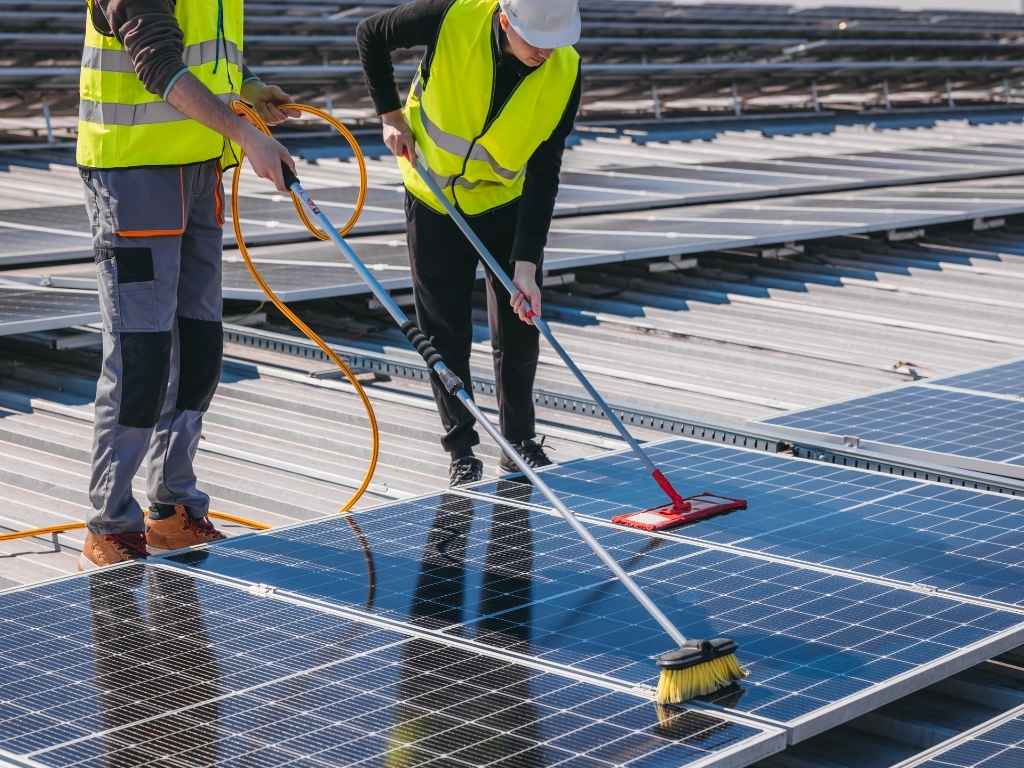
[(304, 271), (599, 177), (974, 420)]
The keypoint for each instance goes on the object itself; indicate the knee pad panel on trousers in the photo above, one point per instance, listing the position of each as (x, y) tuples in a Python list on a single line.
[(200, 351), (145, 365)]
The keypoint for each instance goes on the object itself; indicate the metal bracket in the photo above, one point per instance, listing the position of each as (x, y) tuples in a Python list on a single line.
[(785, 251), (902, 235), (982, 224)]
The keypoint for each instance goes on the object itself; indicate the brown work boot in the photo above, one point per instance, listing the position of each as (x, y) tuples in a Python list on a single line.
[(110, 548), (177, 530)]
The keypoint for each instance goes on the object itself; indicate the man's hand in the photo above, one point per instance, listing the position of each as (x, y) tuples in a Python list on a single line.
[(266, 100), (528, 296), (265, 156), (397, 136)]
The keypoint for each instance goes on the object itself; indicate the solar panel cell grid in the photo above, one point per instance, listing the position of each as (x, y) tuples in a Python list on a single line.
[(1005, 379), (909, 531), (958, 423), (148, 665), (1000, 746), (521, 582)]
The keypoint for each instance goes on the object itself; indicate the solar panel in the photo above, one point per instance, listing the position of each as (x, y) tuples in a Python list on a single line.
[(33, 310), (908, 531), (821, 646), (145, 664), (998, 743), (952, 427), (1006, 379)]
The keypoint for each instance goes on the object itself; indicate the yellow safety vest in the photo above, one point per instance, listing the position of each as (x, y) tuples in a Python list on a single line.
[(122, 125), (480, 165)]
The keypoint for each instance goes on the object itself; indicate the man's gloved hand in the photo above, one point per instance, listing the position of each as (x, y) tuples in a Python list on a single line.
[(266, 100), (528, 295)]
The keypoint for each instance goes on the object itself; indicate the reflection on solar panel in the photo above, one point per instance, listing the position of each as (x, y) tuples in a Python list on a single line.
[(998, 743), (973, 420), (146, 664), (820, 646), (908, 531), (1006, 379), (31, 309)]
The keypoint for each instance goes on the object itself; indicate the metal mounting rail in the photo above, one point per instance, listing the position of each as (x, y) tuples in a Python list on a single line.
[(363, 361)]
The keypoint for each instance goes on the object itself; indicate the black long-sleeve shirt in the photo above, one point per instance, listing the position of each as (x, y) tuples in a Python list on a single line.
[(418, 24)]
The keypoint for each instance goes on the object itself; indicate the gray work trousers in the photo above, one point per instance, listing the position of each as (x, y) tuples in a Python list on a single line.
[(157, 235)]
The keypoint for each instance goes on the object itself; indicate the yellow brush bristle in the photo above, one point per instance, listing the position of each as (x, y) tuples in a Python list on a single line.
[(678, 685)]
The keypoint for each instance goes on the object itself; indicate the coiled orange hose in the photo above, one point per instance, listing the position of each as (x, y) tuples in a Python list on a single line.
[(250, 114)]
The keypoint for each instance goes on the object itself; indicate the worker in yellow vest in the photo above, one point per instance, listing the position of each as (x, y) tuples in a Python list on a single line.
[(154, 134), (488, 113)]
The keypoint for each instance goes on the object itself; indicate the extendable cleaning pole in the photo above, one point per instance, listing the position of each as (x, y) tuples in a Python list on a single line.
[(454, 386), (679, 504)]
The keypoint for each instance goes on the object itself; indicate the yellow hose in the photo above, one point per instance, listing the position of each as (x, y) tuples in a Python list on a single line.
[(248, 113)]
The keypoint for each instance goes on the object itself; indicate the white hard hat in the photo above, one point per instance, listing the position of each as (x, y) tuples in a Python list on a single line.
[(545, 23)]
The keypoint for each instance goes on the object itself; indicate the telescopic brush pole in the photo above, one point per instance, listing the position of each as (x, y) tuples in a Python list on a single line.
[(454, 386), (679, 504)]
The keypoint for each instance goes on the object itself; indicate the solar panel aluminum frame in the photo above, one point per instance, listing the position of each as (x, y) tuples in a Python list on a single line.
[(991, 472)]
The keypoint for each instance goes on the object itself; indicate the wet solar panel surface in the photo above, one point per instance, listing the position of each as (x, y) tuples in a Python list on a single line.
[(521, 581), (147, 665), (915, 532)]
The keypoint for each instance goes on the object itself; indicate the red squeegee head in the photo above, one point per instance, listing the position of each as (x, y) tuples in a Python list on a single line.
[(681, 511)]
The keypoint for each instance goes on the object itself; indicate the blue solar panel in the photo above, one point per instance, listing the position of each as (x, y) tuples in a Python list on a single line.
[(150, 666), (1007, 379), (436, 562), (997, 745), (942, 421), (911, 531), (521, 582)]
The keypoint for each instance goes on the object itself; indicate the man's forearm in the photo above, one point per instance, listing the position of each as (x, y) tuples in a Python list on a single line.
[(194, 100)]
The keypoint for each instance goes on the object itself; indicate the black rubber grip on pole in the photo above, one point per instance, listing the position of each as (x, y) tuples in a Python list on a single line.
[(289, 175), (422, 344)]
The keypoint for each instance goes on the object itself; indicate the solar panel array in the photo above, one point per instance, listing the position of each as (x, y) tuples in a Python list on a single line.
[(28, 310), (973, 420), (147, 664), (822, 641), (316, 270), (474, 628), (963, 542), (996, 744)]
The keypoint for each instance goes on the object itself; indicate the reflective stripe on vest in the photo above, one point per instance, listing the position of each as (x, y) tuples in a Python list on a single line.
[(459, 146), (480, 165), (150, 113), (195, 55), (122, 125)]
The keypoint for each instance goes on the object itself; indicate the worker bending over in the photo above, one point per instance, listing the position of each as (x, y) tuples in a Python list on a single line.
[(154, 134), (489, 112)]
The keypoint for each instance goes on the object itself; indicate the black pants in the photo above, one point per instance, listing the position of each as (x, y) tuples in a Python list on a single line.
[(444, 268)]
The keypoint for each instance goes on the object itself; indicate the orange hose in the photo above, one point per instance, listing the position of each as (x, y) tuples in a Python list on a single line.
[(250, 114)]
